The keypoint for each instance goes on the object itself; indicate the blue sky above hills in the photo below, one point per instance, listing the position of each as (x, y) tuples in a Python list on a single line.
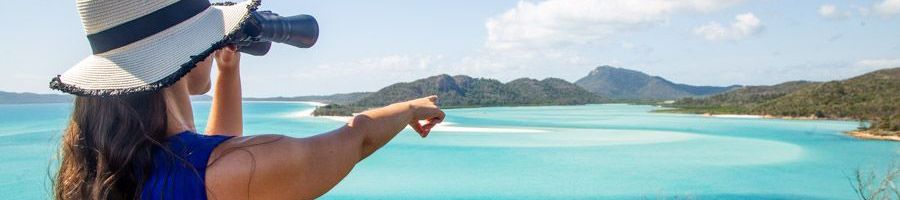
[(366, 45)]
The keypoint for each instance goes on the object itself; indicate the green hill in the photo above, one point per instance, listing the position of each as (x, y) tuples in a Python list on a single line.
[(741, 99), (620, 83), (874, 97), (464, 91), (550, 91)]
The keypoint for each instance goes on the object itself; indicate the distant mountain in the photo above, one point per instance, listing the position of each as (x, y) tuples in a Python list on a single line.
[(465, 91), (26, 98), (620, 83), (335, 98), (874, 96)]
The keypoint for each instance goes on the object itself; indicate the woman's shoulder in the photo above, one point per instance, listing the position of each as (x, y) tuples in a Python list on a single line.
[(257, 164), (282, 167)]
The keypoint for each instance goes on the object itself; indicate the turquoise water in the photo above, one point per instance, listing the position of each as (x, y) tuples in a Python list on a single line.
[(565, 152)]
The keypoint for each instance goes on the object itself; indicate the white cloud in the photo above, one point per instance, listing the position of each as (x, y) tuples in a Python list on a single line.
[(830, 11), (563, 22), (827, 10), (745, 25), (563, 38), (888, 7)]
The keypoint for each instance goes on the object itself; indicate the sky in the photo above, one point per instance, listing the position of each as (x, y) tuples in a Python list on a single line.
[(367, 45)]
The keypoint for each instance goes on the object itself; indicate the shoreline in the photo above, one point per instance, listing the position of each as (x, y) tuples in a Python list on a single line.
[(873, 135), (858, 134), (746, 116)]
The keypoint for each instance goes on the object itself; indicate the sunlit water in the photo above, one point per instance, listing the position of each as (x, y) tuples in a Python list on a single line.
[(565, 152)]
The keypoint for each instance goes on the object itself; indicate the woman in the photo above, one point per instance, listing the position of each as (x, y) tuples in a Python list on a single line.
[(132, 133)]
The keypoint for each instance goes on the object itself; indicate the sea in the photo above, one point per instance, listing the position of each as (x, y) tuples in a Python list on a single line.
[(604, 151)]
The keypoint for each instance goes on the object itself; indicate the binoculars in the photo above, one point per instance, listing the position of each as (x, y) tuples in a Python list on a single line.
[(264, 27)]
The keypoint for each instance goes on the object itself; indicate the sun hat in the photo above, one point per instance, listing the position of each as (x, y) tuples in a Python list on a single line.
[(144, 45)]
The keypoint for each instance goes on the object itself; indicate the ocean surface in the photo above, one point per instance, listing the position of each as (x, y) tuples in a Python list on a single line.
[(605, 151)]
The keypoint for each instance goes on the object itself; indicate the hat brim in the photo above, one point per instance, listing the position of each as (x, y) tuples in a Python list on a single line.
[(157, 61)]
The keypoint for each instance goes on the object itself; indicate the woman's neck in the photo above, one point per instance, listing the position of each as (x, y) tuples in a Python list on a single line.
[(179, 112)]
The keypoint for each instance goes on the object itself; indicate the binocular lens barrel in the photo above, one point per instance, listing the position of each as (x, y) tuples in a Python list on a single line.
[(265, 27), (299, 30)]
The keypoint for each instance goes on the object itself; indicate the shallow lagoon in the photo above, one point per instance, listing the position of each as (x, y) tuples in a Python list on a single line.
[(595, 151)]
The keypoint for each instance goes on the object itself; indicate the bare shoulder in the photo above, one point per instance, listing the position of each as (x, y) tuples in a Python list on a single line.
[(281, 167), (257, 165)]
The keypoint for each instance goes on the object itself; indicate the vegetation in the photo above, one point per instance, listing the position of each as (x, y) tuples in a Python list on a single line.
[(869, 185), (619, 83), (740, 100), (463, 91), (872, 97)]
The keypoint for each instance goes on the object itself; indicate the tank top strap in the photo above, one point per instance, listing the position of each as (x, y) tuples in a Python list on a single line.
[(179, 172)]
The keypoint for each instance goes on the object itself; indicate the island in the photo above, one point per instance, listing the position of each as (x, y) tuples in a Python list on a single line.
[(464, 92), (873, 99)]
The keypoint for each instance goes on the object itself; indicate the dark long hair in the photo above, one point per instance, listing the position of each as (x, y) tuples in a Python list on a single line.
[(106, 149)]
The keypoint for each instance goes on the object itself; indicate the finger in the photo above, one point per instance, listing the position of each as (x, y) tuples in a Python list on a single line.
[(228, 54), (430, 123), (437, 114), (417, 127), (432, 98), (427, 127), (438, 120)]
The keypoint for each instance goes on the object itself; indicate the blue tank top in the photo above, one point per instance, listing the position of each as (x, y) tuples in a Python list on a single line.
[(181, 177)]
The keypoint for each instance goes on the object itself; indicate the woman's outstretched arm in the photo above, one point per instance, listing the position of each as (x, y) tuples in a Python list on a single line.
[(225, 114), (280, 167)]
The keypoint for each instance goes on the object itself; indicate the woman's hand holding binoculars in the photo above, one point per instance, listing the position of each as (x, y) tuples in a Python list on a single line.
[(228, 59)]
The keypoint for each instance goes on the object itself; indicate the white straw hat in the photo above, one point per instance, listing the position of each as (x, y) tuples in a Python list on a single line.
[(145, 45)]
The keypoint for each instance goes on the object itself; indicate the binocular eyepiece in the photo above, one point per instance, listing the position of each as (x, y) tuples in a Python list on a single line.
[(264, 27)]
